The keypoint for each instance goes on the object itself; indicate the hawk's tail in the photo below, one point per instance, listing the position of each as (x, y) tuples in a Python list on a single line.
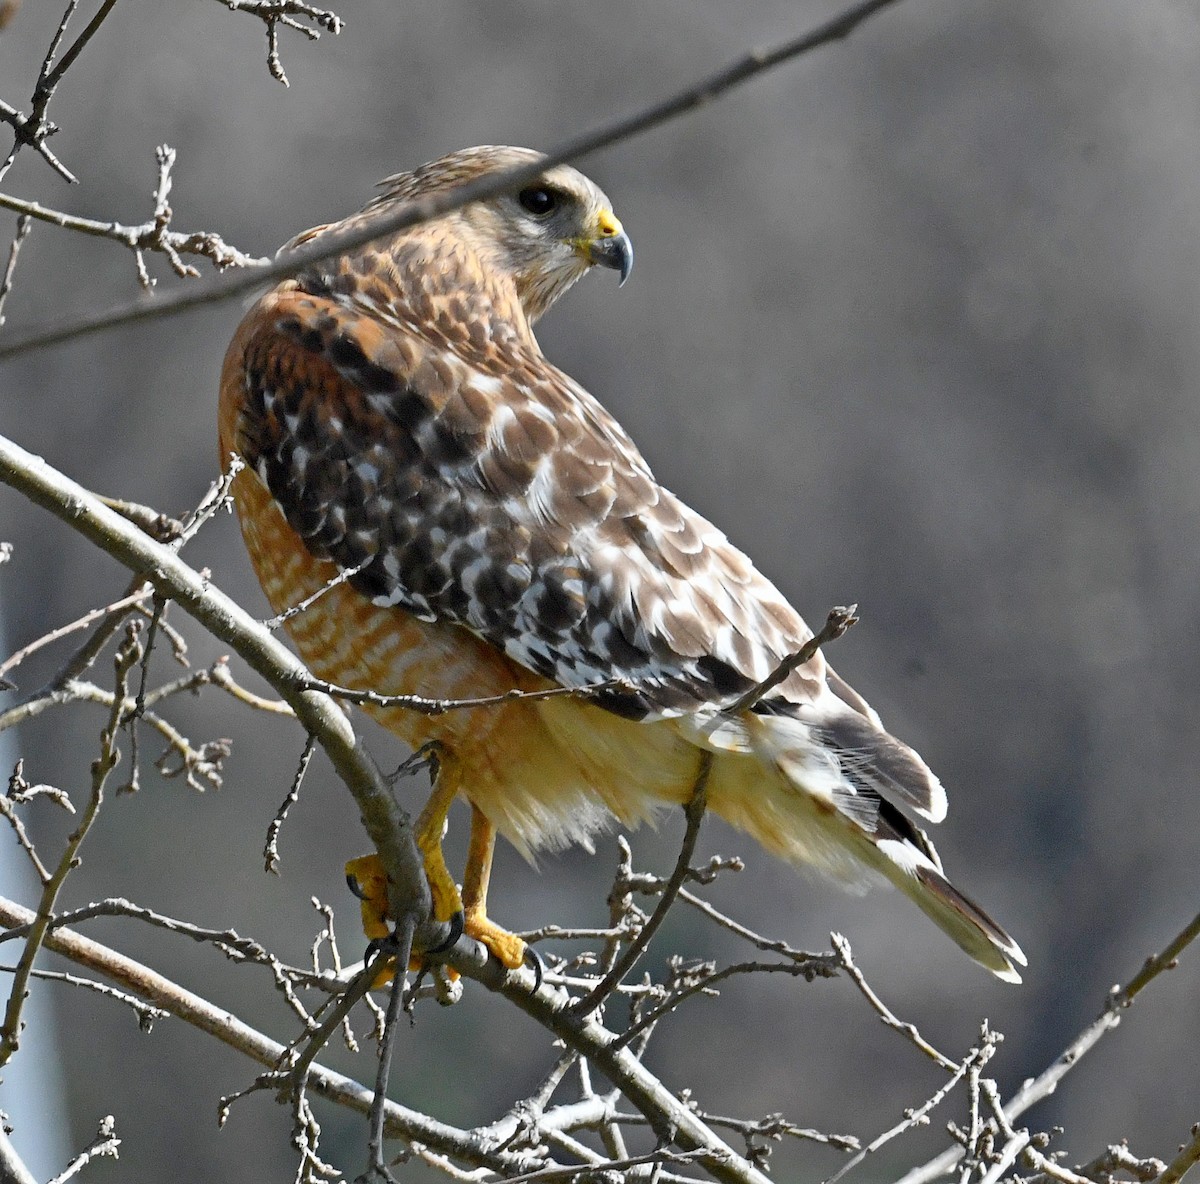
[(834, 803)]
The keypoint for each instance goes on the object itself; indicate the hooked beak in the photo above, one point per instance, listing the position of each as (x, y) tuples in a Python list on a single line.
[(613, 250)]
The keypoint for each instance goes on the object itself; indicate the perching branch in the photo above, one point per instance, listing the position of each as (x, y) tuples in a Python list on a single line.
[(383, 818), (385, 822)]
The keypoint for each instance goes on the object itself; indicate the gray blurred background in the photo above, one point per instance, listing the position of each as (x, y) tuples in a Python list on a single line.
[(913, 320)]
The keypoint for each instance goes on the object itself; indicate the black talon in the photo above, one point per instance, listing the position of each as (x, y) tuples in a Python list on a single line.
[(456, 924), (537, 966), (425, 757), (379, 945), (356, 889)]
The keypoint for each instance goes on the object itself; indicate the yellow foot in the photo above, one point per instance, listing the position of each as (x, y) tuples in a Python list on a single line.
[(368, 881), (508, 947)]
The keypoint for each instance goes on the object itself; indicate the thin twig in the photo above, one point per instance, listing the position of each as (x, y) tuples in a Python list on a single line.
[(284, 12), (695, 95), (1046, 1082), (385, 821), (694, 813), (426, 706), (154, 522), (377, 1168), (226, 1027), (907, 1030), (216, 497), (704, 983), (23, 841), (913, 1118), (105, 1143), (152, 235), (24, 225), (50, 78), (146, 1013), (271, 849), (344, 574), (105, 762), (569, 1174), (117, 609), (839, 620)]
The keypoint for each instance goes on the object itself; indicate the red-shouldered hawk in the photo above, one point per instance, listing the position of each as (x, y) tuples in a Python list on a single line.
[(398, 420)]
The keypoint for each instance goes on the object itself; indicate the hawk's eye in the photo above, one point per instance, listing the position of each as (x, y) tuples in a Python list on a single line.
[(538, 200)]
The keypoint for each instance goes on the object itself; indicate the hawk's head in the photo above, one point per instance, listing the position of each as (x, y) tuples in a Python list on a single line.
[(545, 235)]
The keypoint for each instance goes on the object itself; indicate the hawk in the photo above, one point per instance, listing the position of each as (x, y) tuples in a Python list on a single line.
[(496, 529)]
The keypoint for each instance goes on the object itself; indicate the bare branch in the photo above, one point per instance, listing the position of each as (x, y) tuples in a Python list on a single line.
[(117, 608), (284, 12), (24, 225), (271, 849), (12, 1166), (708, 978), (1188, 1157), (23, 839), (346, 573), (145, 1012), (218, 1022), (836, 624), (385, 821), (981, 1054), (105, 1143), (909, 1031), (20, 791), (694, 813), (402, 942), (570, 1174), (51, 77), (1046, 1082), (34, 128), (153, 235), (425, 706), (10, 1033)]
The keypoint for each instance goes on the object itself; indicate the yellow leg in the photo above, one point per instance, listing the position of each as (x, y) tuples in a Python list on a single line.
[(368, 880), (430, 830), (509, 948)]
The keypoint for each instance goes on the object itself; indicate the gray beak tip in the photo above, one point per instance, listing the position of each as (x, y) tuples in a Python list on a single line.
[(615, 252)]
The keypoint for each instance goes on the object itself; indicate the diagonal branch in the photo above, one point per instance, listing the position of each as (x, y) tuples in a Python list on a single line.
[(1042, 1086), (745, 68), (385, 821), (836, 624)]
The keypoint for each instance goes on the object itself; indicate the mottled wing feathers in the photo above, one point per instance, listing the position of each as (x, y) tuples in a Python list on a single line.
[(396, 407), (515, 507)]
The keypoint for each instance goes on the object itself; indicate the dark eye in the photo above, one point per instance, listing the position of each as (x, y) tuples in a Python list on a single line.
[(538, 200)]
